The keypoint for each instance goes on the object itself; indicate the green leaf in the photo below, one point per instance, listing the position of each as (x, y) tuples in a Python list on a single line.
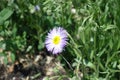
[(111, 44), (12, 55), (29, 48), (109, 27), (101, 52), (6, 24), (2, 45), (4, 58), (1, 54), (46, 78), (114, 64), (5, 14), (89, 64), (118, 45), (118, 66), (92, 54)]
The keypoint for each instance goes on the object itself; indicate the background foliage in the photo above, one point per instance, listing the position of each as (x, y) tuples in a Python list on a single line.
[(94, 33)]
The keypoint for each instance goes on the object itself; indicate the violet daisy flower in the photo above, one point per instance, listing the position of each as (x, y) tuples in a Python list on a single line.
[(56, 40), (37, 8)]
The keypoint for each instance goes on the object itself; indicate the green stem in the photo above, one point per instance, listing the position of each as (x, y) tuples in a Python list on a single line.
[(35, 76), (77, 51), (67, 62)]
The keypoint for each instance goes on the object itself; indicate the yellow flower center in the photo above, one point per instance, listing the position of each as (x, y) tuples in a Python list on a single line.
[(56, 40)]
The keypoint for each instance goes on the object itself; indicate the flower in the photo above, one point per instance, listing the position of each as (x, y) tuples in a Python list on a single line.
[(56, 40), (37, 8), (91, 39), (73, 10), (33, 9)]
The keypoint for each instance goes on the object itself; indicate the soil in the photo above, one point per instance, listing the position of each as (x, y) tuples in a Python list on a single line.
[(32, 67)]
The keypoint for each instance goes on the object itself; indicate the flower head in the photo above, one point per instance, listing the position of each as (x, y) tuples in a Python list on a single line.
[(33, 9), (37, 8), (73, 10), (56, 40)]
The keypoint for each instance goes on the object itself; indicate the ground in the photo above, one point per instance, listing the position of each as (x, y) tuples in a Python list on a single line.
[(32, 67)]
